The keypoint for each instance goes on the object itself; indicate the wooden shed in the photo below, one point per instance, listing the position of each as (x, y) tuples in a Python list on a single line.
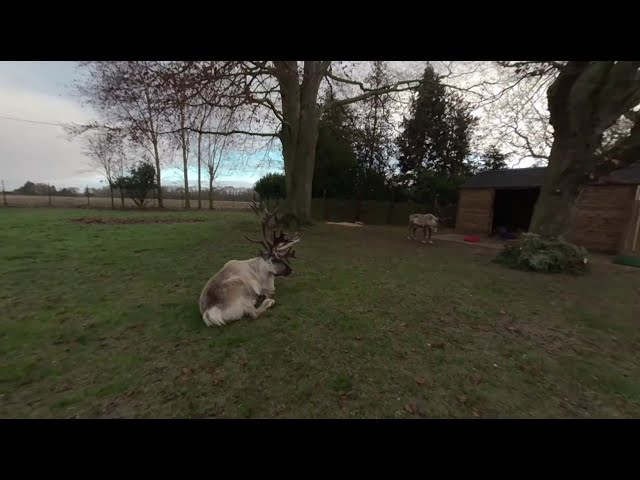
[(606, 216)]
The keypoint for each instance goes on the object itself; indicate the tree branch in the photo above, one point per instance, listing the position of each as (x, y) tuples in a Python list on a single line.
[(224, 134), (402, 86)]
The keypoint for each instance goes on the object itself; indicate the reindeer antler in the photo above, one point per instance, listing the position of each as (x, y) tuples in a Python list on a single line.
[(282, 245), (266, 218)]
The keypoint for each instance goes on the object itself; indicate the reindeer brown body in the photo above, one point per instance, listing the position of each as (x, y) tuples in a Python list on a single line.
[(246, 287), (425, 221)]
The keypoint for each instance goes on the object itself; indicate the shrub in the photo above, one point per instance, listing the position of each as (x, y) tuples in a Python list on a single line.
[(544, 254)]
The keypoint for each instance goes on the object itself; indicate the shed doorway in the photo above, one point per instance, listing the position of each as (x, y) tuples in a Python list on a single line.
[(513, 209)]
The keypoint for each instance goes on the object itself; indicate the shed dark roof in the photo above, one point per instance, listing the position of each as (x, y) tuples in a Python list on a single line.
[(534, 177), (630, 174), (509, 178)]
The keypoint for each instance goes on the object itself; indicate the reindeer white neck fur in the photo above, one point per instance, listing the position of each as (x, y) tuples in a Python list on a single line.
[(246, 287), (425, 221)]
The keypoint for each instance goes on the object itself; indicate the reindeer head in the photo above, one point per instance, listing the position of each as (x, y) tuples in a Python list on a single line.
[(278, 249)]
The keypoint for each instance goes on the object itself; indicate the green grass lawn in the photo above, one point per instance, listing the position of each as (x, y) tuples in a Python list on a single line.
[(102, 320)]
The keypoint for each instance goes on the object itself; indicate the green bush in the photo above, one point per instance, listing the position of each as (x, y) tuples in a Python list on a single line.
[(544, 254)]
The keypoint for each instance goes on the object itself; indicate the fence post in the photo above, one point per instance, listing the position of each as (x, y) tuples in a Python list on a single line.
[(4, 195), (49, 193)]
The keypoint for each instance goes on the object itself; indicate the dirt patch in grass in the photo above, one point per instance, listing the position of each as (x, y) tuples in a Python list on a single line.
[(128, 221)]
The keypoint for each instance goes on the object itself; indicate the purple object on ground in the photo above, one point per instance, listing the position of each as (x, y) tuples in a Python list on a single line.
[(509, 236)]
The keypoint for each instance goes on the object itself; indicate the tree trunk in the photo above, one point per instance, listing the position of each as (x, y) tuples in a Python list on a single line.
[(210, 192), (185, 161), (156, 155), (199, 171), (299, 159), (568, 162), (122, 197), (154, 141), (299, 134), (113, 204)]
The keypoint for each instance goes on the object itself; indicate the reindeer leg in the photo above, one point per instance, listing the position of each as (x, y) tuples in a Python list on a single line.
[(414, 227), (430, 235), (256, 312), (424, 234), (270, 289), (409, 232)]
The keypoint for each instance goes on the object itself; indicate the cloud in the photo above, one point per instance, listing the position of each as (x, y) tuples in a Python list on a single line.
[(36, 152)]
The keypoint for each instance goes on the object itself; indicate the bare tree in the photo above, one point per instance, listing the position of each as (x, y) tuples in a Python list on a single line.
[(202, 118), (129, 97), (516, 118), (106, 151), (216, 147)]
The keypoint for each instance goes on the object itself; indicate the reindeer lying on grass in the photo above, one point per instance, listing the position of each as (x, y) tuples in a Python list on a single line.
[(426, 221), (246, 287)]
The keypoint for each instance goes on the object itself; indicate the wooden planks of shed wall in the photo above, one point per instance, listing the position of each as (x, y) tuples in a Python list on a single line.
[(475, 210), (631, 239), (600, 217)]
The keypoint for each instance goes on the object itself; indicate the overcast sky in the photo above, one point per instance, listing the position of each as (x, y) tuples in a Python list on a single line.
[(40, 91)]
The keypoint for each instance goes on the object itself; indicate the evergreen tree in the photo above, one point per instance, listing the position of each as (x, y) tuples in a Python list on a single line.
[(271, 186), (435, 143), (493, 159), (336, 162), (139, 183)]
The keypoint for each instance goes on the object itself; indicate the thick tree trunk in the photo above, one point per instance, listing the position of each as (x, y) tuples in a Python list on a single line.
[(299, 134), (584, 100), (568, 162), (299, 159)]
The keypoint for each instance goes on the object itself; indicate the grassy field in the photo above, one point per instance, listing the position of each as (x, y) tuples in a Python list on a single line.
[(101, 320)]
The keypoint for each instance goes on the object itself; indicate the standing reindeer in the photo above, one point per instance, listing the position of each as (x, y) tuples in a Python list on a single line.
[(425, 221), (247, 286)]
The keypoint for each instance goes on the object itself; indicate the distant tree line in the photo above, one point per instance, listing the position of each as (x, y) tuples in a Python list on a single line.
[(226, 193)]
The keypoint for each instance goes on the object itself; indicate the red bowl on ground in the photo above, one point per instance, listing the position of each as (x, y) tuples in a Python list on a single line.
[(472, 238)]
